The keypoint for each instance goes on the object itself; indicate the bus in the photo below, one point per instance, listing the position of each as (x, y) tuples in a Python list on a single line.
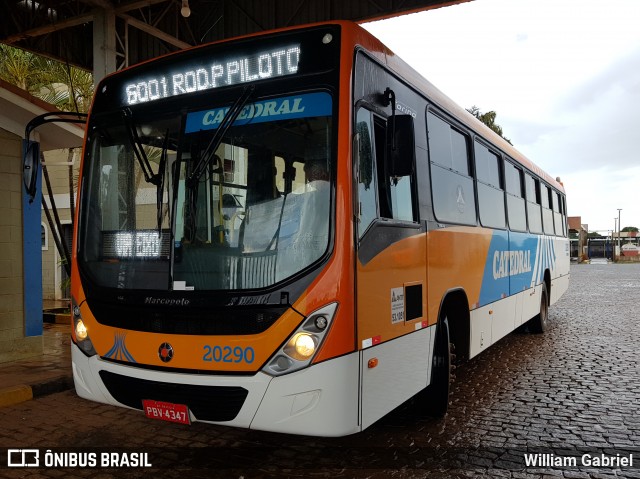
[(296, 232)]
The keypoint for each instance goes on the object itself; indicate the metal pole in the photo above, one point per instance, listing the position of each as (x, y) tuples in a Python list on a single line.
[(613, 241), (619, 230)]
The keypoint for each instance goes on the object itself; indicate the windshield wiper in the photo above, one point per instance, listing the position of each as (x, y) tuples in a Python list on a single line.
[(225, 124), (156, 179), (138, 150), (161, 175)]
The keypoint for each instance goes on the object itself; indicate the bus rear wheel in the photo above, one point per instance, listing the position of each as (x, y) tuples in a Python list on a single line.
[(540, 322)]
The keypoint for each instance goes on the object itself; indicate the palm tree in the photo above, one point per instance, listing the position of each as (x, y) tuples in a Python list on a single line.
[(68, 88), (19, 68)]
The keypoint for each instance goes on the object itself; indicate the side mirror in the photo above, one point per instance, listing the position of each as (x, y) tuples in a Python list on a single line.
[(401, 145), (30, 166), (31, 149)]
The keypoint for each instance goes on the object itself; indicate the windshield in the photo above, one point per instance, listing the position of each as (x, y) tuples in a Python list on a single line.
[(186, 202)]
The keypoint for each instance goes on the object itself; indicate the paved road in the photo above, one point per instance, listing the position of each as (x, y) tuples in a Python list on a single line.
[(573, 390)]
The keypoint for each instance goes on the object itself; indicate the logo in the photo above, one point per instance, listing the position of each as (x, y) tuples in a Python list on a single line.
[(23, 458), (167, 301), (460, 199), (165, 352), (405, 110), (119, 349)]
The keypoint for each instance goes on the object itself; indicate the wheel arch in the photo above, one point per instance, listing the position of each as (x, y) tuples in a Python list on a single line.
[(455, 306)]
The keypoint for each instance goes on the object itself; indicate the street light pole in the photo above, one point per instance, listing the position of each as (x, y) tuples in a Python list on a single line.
[(610, 233), (619, 229), (613, 241)]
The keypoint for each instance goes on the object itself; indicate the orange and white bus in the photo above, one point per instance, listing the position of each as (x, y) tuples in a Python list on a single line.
[(291, 231)]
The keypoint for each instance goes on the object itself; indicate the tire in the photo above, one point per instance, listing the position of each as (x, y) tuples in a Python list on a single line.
[(437, 393), (540, 322)]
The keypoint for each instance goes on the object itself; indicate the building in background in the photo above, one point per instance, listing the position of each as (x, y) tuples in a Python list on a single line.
[(578, 238), (20, 222)]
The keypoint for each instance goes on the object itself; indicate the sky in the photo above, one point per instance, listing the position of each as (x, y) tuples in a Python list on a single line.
[(563, 77)]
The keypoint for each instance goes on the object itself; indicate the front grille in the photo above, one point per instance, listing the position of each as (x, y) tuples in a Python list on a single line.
[(218, 321), (207, 403)]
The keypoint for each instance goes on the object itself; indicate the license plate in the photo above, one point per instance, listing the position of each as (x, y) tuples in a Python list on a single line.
[(166, 411)]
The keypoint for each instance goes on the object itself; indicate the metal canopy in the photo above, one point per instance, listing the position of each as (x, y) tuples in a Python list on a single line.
[(144, 29)]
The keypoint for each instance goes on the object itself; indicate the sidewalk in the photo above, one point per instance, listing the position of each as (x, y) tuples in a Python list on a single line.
[(39, 375)]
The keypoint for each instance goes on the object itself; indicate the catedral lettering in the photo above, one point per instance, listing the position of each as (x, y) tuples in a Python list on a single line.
[(298, 239), (511, 263), (266, 109)]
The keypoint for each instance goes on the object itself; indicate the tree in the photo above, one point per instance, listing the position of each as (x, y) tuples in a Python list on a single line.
[(20, 68), (489, 119), (66, 87), (629, 229)]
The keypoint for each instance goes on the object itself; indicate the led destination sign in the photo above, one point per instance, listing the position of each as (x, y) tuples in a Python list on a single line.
[(261, 66)]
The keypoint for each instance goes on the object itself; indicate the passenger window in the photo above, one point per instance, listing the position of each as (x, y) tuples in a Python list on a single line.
[(544, 196), (451, 183), (557, 213), (513, 179), (490, 193), (547, 214), (487, 166), (448, 147), (534, 212), (563, 205), (516, 210)]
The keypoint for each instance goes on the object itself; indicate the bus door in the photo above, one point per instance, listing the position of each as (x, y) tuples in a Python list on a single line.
[(390, 272)]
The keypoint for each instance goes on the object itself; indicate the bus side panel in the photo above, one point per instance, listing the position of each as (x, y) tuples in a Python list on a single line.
[(558, 287), (560, 278), (457, 257), (531, 305), (403, 369), (381, 285), (492, 322)]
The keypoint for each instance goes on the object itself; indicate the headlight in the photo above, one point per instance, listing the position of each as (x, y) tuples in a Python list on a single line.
[(81, 333), (81, 330), (304, 343), (301, 347)]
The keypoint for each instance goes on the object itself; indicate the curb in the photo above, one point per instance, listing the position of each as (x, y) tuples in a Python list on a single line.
[(17, 394)]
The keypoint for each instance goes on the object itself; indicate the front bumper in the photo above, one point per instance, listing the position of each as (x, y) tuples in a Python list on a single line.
[(321, 400)]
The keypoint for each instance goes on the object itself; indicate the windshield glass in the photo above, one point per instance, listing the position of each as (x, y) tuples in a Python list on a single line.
[(179, 203)]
